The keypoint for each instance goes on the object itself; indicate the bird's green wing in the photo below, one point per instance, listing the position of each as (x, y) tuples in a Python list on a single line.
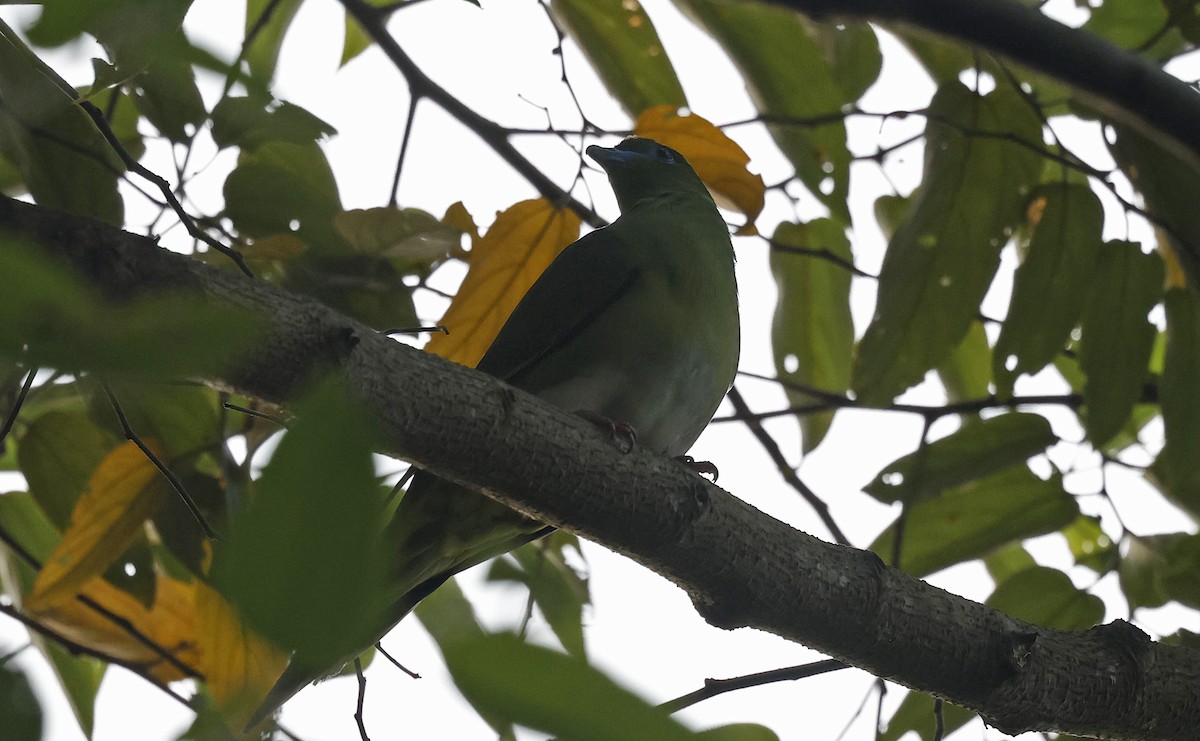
[(578, 286)]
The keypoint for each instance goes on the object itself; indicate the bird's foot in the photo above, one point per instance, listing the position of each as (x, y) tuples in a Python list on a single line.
[(620, 432), (704, 468)]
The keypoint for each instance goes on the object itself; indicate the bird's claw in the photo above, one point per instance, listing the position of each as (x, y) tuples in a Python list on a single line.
[(618, 431), (704, 468)]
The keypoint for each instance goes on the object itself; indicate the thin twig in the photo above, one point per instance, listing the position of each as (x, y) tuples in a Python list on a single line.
[(714, 687), (362, 696), (167, 473), (17, 404), (785, 469), (397, 664), (163, 186)]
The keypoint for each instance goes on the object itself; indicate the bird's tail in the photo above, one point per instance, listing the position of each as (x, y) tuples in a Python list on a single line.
[(438, 530)]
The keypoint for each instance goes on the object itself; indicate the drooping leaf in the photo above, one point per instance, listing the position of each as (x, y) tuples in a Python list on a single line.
[(269, 31), (450, 620), (976, 518), (812, 333), (620, 41), (980, 448), (558, 590), (1117, 336), (303, 562), (504, 263), (1179, 394), (1048, 295), (552, 692), (64, 161), (1166, 181), (789, 77), (719, 161), (941, 260), (966, 373), (1045, 596)]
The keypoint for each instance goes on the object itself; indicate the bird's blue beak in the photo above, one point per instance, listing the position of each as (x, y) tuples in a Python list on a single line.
[(605, 156)]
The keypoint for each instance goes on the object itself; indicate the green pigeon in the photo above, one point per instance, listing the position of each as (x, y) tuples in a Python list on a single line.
[(635, 323)]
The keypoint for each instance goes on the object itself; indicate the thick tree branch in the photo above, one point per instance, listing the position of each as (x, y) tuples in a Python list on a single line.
[(740, 567), (1119, 83)]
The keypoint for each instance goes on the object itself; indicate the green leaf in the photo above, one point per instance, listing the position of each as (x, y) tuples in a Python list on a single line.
[(450, 620), (1006, 561), (1048, 293), (558, 591), (1117, 336), (916, 714), (552, 692), (812, 333), (966, 373), (1167, 182), (263, 52), (1090, 545), (168, 97), (355, 41), (852, 51), (304, 560), (57, 454), (279, 186), (250, 122), (20, 713), (135, 34), (63, 160), (976, 518), (941, 260), (620, 42), (978, 449), (1128, 23), (79, 676), (61, 323), (1179, 394), (789, 76), (1159, 568), (409, 237), (185, 419), (1045, 596), (738, 732)]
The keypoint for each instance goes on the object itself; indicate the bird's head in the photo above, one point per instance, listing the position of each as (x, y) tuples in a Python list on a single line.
[(642, 168)]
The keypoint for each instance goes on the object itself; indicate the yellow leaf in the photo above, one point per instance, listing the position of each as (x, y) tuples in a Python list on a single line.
[(239, 665), (505, 262), (459, 217), (1176, 275), (122, 492), (169, 624), (717, 159)]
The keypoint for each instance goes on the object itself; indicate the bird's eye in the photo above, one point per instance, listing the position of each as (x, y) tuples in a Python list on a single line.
[(666, 155)]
